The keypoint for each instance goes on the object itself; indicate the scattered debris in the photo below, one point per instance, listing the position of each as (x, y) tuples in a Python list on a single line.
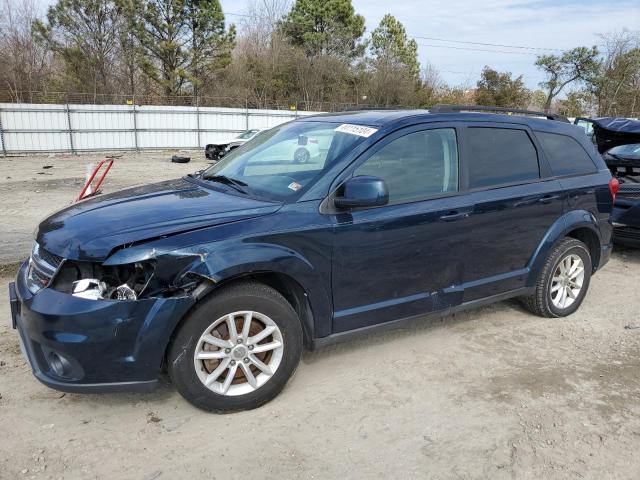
[(46, 167), (153, 418), (179, 159), (632, 326)]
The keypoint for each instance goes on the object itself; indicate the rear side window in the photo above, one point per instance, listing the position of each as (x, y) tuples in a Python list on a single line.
[(566, 156), (500, 156)]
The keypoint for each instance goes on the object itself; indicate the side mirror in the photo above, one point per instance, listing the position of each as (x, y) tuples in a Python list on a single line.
[(362, 191)]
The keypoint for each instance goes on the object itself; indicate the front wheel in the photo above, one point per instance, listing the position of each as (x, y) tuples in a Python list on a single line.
[(563, 281), (237, 349), (301, 155)]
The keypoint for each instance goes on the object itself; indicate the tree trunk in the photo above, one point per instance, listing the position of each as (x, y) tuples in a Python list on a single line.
[(547, 103)]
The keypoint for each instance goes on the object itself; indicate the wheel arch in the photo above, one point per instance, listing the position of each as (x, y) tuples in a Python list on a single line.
[(589, 237), (578, 224), (284, 284)]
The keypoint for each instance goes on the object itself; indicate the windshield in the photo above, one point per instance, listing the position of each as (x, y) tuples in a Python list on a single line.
[(248, 134), (282, 162), (626, 151)]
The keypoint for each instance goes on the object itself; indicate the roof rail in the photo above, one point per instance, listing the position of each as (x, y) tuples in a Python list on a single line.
[(480, 108)]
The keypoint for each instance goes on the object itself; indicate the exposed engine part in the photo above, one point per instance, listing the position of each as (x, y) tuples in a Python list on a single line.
[(96, 282), (125, 292), (89, 288)]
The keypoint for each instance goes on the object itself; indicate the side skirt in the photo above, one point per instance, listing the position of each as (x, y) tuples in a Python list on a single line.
[(319, 343)]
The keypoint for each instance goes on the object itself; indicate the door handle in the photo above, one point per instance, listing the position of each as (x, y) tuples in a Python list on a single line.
[(453, 215), (548, 198)]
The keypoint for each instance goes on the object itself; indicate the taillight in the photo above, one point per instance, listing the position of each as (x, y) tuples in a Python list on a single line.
[(614, 186)]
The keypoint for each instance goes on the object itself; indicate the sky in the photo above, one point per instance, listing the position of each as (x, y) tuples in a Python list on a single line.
[(542, 24)]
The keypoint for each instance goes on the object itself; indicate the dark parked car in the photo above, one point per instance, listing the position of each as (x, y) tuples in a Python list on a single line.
[(618, 140), (222, 278), (215, 151)]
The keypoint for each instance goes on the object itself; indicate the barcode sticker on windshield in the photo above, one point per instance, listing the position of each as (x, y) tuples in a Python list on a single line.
[(358, 130)]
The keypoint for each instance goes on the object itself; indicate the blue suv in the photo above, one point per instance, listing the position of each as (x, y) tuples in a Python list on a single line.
[(223, 277)]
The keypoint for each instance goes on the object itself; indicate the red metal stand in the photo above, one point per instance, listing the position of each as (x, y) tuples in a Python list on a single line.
[(83, 193)]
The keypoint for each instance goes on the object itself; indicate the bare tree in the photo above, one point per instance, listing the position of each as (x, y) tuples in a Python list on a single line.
[(617, 87), (262, 18), (26, 65)]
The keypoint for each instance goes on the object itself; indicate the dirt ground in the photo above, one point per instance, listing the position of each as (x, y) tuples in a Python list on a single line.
[(33, 187), (492, 393)]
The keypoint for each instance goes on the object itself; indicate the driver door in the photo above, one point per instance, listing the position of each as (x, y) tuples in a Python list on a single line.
[(396, 261)]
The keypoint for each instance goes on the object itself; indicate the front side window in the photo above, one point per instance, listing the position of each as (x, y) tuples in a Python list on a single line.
[(418, 165), (284, 161), (499, 156), (565, 155)]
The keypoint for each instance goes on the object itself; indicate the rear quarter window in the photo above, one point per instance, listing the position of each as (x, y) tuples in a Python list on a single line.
[(566, 156)]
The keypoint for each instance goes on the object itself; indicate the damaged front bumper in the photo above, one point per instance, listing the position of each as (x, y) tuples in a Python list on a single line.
[(80, 345)]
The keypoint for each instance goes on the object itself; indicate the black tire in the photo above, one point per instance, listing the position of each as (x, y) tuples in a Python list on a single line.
[(243, 296), (179, 159), (301, 155), (540, 302)]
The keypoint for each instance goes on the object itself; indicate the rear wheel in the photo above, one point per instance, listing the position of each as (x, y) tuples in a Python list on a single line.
[(237, 350), (563, 281)]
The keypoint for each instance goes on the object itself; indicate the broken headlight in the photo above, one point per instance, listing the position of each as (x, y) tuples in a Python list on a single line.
[(94, 281)]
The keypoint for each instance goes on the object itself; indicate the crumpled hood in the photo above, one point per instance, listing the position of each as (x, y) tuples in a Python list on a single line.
[(91, 229)]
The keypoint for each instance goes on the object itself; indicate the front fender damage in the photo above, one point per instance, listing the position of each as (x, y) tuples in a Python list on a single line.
[(182, 275), (176, 273)]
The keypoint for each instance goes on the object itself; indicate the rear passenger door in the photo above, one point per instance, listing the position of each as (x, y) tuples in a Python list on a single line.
[(516, 201)]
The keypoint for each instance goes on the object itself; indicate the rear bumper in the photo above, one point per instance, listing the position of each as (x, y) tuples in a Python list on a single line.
[(626, 220), (88, 346), (628, 236)]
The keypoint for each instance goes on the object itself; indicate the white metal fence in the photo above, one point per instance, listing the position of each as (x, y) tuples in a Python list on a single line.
[(43, 128)]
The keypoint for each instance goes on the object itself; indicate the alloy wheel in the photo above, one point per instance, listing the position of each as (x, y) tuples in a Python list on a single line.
[(567, 281), (238, 353)]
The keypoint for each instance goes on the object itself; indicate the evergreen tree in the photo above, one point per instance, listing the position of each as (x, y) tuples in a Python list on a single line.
[(325, 27), (389, 44), (498, 89)]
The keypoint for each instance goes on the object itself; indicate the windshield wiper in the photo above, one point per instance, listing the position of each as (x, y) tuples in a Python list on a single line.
[(238, 185)]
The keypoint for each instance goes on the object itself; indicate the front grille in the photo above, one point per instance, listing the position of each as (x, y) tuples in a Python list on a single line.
[(42, 267), (48, 257)]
